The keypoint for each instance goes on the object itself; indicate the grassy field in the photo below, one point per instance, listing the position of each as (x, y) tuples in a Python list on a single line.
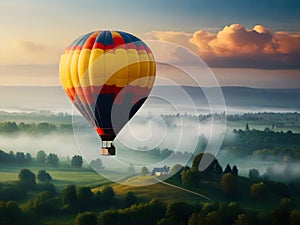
[(61, 176), (160, 191)]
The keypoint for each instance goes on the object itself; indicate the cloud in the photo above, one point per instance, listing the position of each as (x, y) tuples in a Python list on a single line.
[(29, 52), (237, 46), (29, 46)]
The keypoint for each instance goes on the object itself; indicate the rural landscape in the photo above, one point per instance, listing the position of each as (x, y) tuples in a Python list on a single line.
[(150, 112), (42, 187)]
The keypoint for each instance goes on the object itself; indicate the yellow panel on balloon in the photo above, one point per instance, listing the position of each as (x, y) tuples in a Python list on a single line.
[(83, 64), (62, 70), (133, 66), (96, 67), (121, 67), (144, 69), (74, 69), (69, 83), (109, 67)]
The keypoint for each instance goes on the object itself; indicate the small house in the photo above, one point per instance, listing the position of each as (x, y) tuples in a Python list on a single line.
[(160, 171)]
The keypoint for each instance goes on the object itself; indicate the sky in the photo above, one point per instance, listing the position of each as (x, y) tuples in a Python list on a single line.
[(253, 43)]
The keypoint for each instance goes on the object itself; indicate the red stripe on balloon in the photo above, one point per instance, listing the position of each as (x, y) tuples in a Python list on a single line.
[(99, 131), (98, 45), (90, 41)]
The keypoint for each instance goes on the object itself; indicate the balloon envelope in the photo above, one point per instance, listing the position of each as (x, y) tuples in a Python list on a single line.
[(107, 75)]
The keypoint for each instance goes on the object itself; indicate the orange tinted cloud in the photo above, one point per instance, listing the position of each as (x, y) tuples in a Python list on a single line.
[(237, 46)]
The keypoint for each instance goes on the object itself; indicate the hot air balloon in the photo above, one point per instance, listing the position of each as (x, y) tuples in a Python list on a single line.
[(108, 76)]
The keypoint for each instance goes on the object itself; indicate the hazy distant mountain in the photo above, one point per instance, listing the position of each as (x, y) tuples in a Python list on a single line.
[(237, 98), (254, 97)]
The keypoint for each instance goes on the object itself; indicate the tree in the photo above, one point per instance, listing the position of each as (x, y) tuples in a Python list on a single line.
[(247, 127), (20, 157), (76, 161), (198, 158), (243, 219), (212, 218), (144, 170), (130, 199), (85, 197), (43, 176), (229, 184), (196, 219), (189, 177), (10, 213), (41, 156), (28, 158), (27, 179), (287, 204), (295, 217), (235, 170), (254, 174), (69, 195), (178, 212), (52, 159), (218, 168), (108, 196), (227, 169), (177, 168), (97, 164), (259, 190), (86, 218)]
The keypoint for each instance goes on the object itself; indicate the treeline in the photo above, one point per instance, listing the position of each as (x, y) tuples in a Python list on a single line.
[(42, 158), (291, 153), (271, 117), (246, 142), (40, 116), (9, 128)]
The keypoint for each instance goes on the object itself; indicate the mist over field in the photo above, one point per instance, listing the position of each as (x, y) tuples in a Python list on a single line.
[(153, 134)]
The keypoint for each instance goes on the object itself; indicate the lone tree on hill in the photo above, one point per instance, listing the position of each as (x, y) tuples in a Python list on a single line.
[(235, 170), (227, 169), (144, 170)]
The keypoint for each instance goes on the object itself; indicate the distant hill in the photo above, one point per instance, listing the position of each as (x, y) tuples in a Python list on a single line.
[(242, 99)]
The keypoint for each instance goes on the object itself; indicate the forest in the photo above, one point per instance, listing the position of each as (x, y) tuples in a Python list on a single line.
[(33, 199)]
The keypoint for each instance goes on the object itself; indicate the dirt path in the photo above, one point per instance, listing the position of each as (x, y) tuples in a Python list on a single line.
[(183, 189)]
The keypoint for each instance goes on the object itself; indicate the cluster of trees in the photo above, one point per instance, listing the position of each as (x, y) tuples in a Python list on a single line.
[(50, 159), (193, 176), (42, 157), (40, 116), (47, 202), (17, 190), (256, 187), (291, 152), (15, 158), (246, 142), (177, 213), (271, 117), (9, 127)]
